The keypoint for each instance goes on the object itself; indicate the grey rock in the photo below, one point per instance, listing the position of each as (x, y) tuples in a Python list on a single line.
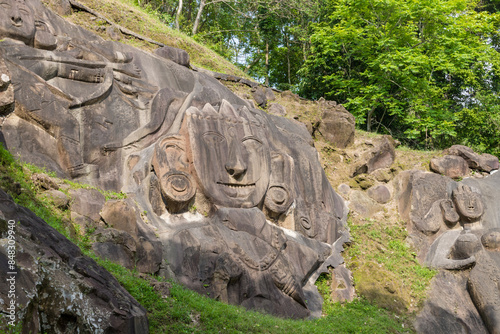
[(337, 126), (6, 90), (381, 155), (120, 215), (276, 109), (176, 55), (59, 198), (260, 97), (380, 194), (484, 162), (87, 203), (53, 271), (113, 33), (362, 204), (450, 165), (449, 308), (344, 189)]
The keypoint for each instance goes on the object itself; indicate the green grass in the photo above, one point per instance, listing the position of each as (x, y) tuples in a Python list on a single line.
[(185, 311), (384, 266)]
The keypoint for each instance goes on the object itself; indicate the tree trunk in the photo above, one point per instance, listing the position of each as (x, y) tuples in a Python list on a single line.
[(267, 63), (369, 119), (198, 17), (288, 58), (179, 10)]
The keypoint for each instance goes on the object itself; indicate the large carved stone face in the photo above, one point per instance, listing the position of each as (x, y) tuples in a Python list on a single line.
[(231, 155), (16, 20)]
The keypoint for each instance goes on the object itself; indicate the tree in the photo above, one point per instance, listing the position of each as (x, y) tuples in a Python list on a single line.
[(404, 66)]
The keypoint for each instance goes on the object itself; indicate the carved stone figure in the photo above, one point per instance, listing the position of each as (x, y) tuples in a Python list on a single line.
[(231, 155), (455, 226), (237, 197)]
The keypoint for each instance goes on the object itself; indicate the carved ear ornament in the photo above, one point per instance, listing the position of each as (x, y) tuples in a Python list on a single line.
[(279, 195)]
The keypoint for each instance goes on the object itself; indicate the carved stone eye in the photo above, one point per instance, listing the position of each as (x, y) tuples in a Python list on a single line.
[(252, 143), (213, 138)]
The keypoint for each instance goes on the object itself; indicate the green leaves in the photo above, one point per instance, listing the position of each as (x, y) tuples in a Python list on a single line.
[(407, 66)]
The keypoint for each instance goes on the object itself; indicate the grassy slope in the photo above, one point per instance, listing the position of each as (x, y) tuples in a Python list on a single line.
[(384, 268)]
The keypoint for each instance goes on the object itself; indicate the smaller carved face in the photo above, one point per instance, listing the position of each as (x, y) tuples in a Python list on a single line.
[(230, 154), (468, 203), (16, 20)]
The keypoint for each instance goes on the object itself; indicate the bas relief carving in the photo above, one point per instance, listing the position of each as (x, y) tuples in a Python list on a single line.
[(180, 144), (465, 237)]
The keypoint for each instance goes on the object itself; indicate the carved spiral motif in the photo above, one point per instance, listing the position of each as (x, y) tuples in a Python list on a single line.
[(305, 222), (278, 198), (177, 186)]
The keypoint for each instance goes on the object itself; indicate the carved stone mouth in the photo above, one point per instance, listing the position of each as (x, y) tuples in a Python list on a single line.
[(237, 185)]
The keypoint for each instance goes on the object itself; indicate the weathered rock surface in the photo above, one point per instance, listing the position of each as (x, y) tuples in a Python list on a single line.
[(176, 55), (6, 89), (86, 205), (450, 165), (237, 197), (484, 162), (363, 204), (276, 109), (337, 124), (381, 154), (260, 96), (380, 194), (58, 289), (449, 308), (59, 198)]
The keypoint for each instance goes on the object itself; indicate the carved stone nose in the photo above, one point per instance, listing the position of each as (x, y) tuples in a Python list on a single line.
[(236, 169), (16, 19)]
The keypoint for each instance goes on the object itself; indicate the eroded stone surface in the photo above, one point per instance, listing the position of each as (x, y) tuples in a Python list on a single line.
[(450, 165), (58, 289), (337, 125)]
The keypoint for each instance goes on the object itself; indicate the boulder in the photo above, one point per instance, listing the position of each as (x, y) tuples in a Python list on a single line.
[(488, 162), (44, 181), (87, 203), (337, 126), (484, 162), (380, 194), (114, 33), (59, 198), (450, 165), (344, 189), (383, 174), (121, 215), (363, 205), (176, 55), (270, 94), (53, 271), (260, 96), (381, 155), (276, 109), (6, 90)]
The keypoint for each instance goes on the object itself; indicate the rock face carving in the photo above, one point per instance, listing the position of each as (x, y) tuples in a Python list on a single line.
[(455, 227), (237, 197)]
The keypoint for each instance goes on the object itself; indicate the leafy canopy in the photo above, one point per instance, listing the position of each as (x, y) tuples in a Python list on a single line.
[(406, 67)]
